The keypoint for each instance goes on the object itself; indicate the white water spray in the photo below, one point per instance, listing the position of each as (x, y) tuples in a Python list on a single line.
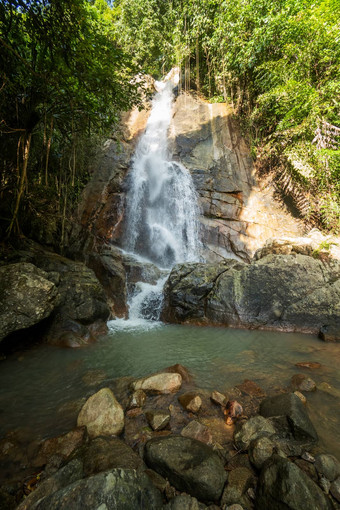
[(162, 209)]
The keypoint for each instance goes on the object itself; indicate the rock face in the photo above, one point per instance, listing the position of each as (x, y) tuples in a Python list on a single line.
[(190, 465), (118, 489), (283, 486), (27, 296), (288, 292), (102, 414)]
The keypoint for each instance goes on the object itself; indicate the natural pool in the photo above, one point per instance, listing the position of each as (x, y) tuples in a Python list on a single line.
[(38, 386)]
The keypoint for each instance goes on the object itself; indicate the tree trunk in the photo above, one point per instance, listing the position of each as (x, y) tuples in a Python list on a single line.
[(197, 66), (26, 143), (48, 153)]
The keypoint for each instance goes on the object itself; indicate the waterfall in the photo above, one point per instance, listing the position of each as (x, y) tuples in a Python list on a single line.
[(162, 211)]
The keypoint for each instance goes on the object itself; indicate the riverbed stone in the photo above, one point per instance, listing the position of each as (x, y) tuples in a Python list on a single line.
[(239, 481), (251, 429), (102, 414), (62, 445), (335, 489), (327, 465), (288, 406), (283, 486), (260, 450), (184, 502), (121, 489), (301, 382), (189, 465), (137, 399), (218, 398), (197, 430), (159, 383), (27, 297), (190, 401), (158, 419)]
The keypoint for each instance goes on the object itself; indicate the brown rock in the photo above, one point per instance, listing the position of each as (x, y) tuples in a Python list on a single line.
[(180, 369), (157, 419), (137, 399), (195, 430), (190, 401), (62, 445), (136, 411), (301, 396), (233, 411), (308, 364), (251, 388), (218, 398), (302, 383)]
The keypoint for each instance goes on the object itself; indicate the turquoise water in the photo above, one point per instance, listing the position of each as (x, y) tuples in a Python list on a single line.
[(40, 388)]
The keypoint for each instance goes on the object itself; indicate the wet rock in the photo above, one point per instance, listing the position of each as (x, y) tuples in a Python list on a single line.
[(308, 364), (308, 457), (260, 450), (283, 486), (308, 468), (184, 502), (104, 453), (327, 388), (302, 383), (180, 369), (68, 474), (250, 430), (239, 481), (218, 398), (190, 465), (324, 484), (157, 419), (330, 332), (62, 445), (235, 507), (196, 430), (122, 489), (133, 413), (251, 388), (27, 297), (327, 465), (232, 411), (159, 482), (335, 489), (159, 383), (289, 407), (137, 399), (190, 401), (102, 414)]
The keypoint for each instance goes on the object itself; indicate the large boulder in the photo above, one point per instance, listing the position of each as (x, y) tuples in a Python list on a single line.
[(190, 465), (288, 292), (291, 414), (117, 489), (27, 296), (102, 414), (249, 430), (284, 486)]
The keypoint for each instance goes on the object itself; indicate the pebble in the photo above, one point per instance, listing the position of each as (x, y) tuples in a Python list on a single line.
[(308, 457)]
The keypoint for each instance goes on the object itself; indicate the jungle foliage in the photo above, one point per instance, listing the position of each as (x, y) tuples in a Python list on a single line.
[(277, 62)]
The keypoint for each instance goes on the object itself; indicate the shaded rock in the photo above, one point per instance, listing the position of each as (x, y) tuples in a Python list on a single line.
[(7, 501), (26, 297), (324, 484), (330, 332), (235, 507), (102, 414), (335, 489), (159, 482), (117, 489), (283, 486), (159, 383), (302, 383), (137, 399), (157, 419), (290, 407), (190, 465), (104, 453), (218, 398), (180, 369), (62, 445), (327, 465), (68, 474), (260, 450), (251, 388), (308, 468), (196, 430), (250, 430), (239, 481), (190, 401), (184, 502)]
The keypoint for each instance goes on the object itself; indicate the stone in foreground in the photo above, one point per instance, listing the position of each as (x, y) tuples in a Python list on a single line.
[(189, 465), (190, 401), (157, 419), (248, 431), (283, 486), (102, 414), (159, 383), (118, 489), (289, 407)]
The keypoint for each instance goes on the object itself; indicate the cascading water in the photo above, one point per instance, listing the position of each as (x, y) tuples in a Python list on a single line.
[(162, 209)]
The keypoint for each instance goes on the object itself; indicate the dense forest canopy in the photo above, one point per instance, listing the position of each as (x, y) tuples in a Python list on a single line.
[(68, 67)]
